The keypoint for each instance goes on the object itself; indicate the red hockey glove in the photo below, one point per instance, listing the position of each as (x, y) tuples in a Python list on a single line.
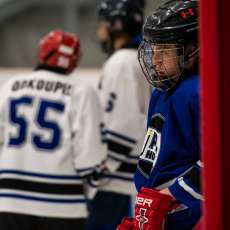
[(151, 208), (126, 224)]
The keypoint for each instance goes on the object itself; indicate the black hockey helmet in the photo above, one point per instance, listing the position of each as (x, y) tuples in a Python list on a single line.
[(172, 27), (175, 20), (129, 12)]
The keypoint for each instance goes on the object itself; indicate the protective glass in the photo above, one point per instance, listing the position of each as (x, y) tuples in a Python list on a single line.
[(162, 64)]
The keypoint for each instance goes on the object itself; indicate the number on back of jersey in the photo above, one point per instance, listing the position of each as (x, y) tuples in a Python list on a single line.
[(44, 123)]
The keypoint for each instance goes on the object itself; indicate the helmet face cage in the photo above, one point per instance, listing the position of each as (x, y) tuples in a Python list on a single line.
[(162, 64)]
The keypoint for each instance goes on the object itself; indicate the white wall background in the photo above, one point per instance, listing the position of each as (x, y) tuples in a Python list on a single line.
[(23, 22), (91, 76)]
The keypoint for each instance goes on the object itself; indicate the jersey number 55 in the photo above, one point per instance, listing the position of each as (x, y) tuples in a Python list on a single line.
[(20, 121)]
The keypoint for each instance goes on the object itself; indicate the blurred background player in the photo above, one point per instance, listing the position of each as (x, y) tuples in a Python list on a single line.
[(169, 166), (50, 141), (124, 97)]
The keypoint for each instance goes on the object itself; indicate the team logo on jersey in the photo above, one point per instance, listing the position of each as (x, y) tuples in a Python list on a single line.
[(141, 218), (152, 145)]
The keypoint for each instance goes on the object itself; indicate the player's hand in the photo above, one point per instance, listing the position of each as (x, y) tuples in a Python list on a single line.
[(151, 209), (126, 224)]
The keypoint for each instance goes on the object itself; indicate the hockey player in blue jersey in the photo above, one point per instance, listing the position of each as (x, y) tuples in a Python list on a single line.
[(167, 176)]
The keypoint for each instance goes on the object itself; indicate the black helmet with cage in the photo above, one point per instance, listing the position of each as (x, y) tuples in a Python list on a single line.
[(172, 28), (122, 16)]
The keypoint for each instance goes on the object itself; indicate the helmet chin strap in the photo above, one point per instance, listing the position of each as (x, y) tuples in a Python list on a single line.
[(191, 52)]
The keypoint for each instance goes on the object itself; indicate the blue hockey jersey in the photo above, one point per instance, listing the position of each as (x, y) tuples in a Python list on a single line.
[(171, 150)]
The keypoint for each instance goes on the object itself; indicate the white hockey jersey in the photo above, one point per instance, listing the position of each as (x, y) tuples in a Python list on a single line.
[(124, 95), (50, 138)]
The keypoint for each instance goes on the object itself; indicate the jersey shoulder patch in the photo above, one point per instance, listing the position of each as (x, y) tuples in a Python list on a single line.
[(152, 145)]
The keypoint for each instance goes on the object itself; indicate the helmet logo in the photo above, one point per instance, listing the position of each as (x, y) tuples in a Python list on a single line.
[(187, 13), (63, 62), (66, 50)]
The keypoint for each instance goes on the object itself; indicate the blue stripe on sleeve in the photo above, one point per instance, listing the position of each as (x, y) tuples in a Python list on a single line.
[(183, 196)]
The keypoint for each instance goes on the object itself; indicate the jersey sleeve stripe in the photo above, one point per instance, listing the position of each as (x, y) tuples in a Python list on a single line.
[(121, 136), (119, 177), (118, 148), (127, 167), (121, 158), (188, 189), (93, 168), (193, 179), (85, 172)]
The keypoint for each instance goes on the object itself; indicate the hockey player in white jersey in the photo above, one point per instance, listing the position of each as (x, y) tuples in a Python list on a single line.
[(124, 97), (50, 141)]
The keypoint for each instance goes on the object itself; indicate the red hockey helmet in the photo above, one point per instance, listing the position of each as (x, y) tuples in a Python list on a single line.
[(60, 49)]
